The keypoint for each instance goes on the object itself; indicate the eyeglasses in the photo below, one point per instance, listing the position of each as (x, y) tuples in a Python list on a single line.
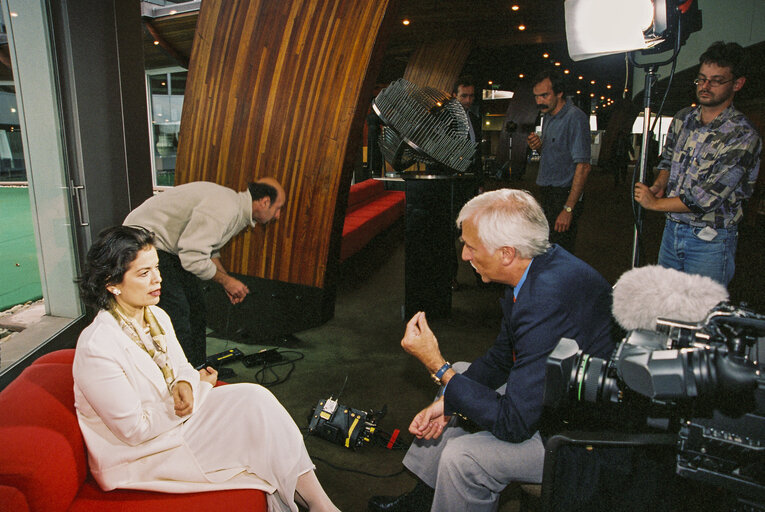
[(713, 82)]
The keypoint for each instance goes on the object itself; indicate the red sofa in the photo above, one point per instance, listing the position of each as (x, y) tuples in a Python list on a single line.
[(371, 209), (43, 464)]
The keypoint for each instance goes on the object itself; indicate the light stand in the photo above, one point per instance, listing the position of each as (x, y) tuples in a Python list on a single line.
[(650, 79)]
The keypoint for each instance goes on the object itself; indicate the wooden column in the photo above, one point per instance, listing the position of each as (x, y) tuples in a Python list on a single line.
[(438, 64), (280, 89)]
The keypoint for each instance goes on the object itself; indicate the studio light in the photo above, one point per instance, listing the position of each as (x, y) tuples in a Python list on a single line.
[(604, 27)]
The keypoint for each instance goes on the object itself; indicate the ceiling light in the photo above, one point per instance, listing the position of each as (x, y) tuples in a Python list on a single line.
[(521, 75), (490, 82), (592, 82), (156, 42), (557, 63), (521, 27), (514, 8), (405, 22), (566, 71), (579, 92), (545, 55), (608, 86), (592, 95), (581, 77)]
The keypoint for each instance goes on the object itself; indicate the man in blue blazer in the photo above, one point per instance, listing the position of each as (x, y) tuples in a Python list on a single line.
[(550, 295)]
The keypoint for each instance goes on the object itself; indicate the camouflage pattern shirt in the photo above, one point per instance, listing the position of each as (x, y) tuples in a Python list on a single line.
[(712, 168)]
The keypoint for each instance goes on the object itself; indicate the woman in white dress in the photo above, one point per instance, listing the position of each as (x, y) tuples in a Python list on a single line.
[(149, 419)]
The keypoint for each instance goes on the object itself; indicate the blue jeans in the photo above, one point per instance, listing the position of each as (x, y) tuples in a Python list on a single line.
[(682, 249)]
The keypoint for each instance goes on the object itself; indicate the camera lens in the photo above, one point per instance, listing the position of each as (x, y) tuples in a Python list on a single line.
[(591, 382)]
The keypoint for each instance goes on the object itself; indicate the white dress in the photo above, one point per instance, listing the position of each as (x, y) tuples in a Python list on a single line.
[(238, 435)]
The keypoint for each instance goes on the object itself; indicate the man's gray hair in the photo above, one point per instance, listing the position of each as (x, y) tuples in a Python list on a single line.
[(508, 218)]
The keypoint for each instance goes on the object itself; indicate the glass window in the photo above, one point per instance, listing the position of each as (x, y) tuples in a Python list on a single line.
[(37, 248), (166, 90)]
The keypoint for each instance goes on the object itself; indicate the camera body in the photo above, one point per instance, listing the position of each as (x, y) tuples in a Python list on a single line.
[(703, 381)]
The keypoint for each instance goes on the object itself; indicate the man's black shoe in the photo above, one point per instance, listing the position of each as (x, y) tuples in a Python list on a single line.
[(418, 499)]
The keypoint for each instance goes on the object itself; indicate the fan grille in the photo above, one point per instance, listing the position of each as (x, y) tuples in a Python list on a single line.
[(423, 124)]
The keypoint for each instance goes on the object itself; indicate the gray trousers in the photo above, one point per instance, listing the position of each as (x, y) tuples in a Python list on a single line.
[(469, 470)]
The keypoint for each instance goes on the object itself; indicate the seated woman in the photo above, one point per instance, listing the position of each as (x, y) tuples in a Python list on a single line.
[(153, 422)]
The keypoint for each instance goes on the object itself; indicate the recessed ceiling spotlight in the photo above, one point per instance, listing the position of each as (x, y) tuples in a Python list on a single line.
[(514, 8), (566, 71), (405, 22), (156, 43), (557, 63), (581, 77), (521, 75), (521, 27), (545, 55), (490, 82), (592, 82), (608, 86)]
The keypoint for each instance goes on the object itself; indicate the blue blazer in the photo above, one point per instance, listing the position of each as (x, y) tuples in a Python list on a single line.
[(562, 296)]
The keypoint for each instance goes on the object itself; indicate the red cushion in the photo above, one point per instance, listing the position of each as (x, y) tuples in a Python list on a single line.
[(363, 192), (58, 356), (43, 453), (92, 499), (12, 500), (368, 220)]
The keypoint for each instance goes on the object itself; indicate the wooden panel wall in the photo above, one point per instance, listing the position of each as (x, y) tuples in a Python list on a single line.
[(274, 89), (438, 64)]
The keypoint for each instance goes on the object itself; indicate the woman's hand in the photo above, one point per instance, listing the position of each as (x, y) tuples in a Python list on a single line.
[(208, 374), (183, 396)]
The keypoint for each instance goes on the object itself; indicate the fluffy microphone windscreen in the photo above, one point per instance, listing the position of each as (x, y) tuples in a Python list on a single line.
[(643, 294)]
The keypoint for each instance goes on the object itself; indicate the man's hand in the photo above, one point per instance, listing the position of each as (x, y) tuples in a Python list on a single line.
[(563, 222), (534, 141), (183, 398), (430, 422), (208, 374), (235, 289), (420, 342), (645, 196)]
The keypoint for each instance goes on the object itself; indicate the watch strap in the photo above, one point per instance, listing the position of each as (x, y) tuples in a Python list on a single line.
[(440, 372)]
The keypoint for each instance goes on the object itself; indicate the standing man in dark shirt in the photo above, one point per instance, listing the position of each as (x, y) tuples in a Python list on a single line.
[(564, 147), (463, 189)]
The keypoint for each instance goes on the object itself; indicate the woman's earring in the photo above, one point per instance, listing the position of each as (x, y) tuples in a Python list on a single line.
[(116, 291)]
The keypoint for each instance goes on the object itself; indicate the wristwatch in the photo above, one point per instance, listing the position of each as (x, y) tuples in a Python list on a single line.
[(567, 208), (440, 372)]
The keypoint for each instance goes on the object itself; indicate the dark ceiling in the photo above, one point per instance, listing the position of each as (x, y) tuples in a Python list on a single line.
[(501, 52)]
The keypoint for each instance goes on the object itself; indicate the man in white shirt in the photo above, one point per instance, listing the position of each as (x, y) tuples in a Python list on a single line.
[(191, 223)]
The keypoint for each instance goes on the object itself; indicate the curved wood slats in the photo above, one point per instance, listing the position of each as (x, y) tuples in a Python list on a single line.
[(438, 64), (273, 90)]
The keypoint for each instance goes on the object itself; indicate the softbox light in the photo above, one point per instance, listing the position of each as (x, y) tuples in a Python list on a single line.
[(604, 27)]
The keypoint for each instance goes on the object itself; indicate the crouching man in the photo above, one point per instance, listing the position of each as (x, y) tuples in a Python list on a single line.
[(550, 294)]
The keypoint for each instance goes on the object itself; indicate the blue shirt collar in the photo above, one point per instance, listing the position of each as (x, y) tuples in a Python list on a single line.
[(517, 287)]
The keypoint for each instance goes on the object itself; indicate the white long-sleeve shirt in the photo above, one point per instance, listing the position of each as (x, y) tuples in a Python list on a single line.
[(193, 221)]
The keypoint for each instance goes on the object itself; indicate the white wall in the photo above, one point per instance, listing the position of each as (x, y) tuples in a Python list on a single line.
[(739, 21)]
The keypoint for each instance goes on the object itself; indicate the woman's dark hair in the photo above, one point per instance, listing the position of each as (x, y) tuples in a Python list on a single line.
[(108, 259)]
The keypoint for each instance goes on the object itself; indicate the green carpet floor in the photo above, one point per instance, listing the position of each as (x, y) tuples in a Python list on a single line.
[(19, 273)]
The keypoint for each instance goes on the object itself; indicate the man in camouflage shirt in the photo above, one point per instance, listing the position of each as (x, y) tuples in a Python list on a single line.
[(708, 169)]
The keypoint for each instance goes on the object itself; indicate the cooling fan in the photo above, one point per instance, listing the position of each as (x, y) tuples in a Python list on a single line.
[(423, 124)]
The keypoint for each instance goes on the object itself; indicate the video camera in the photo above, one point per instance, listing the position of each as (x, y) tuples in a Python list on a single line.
[(704, 379)]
